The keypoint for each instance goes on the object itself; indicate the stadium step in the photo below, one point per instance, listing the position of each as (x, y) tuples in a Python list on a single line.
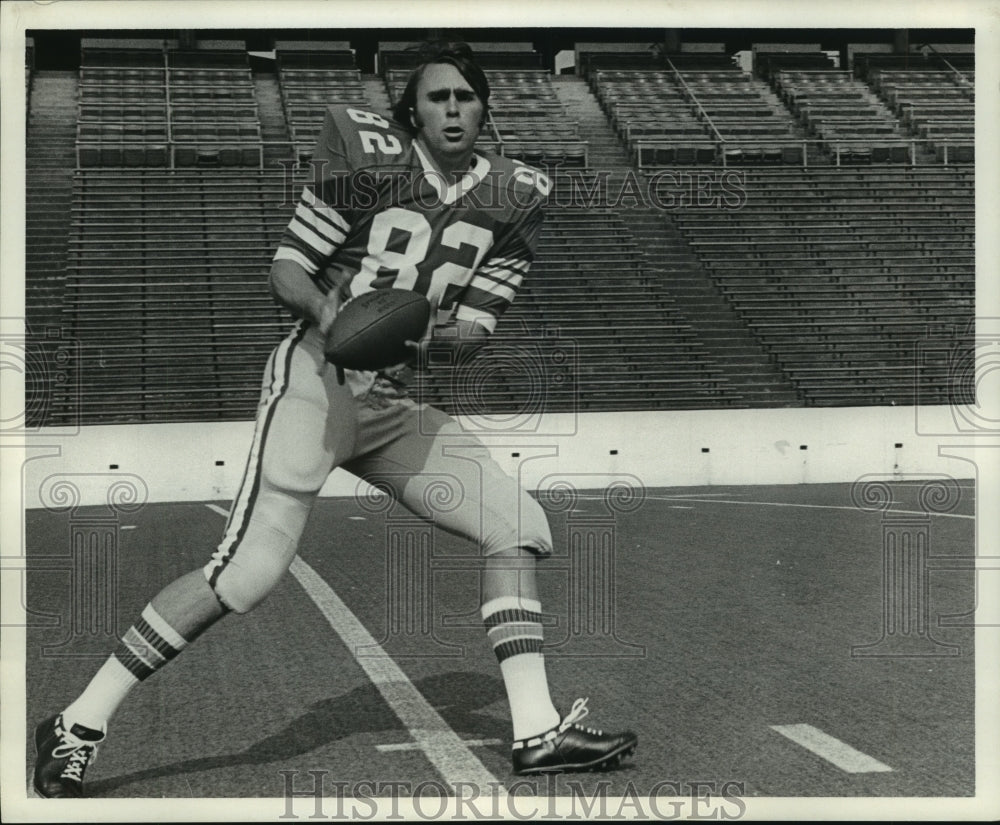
[(273, 127), (714, 319), (605, 151), (698, 303), (50, 162)]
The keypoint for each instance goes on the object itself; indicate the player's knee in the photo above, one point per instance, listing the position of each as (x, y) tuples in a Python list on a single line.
[(243, 577), (239, 591), (528, 528), (239, 601)]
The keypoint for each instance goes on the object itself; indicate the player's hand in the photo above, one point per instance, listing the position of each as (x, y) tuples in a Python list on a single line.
[(418, 349), (325, 317), (401, 374), (328, 311)]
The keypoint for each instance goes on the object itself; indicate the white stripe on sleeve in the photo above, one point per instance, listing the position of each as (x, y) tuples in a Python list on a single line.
[(288, 253), (492, 287), (312, 219), (322, 246), (484, 319), (327, 212)]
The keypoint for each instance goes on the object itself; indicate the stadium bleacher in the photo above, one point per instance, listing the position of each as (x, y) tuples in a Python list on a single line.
[(840, 272), (699, 109), (164, 106), (842, 277), (938, 105), (310, 80), (842, 112)]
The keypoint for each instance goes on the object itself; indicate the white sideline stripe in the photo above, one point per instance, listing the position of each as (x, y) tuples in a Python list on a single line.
[(409, 746), (790, 504), (700, 495), (831, 749), (445, 750), (816, 506), (442, 746)]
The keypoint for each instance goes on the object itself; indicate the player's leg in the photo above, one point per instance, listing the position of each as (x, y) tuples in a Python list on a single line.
[(294, 448), (443, 475), (449, 478)]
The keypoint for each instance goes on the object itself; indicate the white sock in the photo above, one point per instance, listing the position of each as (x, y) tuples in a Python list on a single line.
[(147, 646), (514, 627), (101, 698)]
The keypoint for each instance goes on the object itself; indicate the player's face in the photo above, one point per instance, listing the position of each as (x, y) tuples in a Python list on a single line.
[(448, 115)]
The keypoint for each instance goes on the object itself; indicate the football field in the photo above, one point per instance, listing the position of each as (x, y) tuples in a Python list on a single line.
[(774, 641)]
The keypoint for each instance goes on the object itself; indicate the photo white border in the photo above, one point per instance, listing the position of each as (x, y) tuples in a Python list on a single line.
[(16, 16)]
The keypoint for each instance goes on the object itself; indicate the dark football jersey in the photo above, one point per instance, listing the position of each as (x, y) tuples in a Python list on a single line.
[(376, 215)]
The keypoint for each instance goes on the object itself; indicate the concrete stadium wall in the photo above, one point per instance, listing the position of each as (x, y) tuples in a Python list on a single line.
[(204, 462)]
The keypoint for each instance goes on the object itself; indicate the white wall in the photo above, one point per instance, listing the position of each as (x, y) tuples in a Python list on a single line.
[(198, 462)]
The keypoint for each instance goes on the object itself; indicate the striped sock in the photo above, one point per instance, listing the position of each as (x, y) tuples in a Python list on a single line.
[(514, 628), (147, 646)]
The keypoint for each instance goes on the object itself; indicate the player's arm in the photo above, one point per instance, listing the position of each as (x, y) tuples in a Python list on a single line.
[(293, 288), (464, 340), (301, 279), (498, 279), (493, 288)]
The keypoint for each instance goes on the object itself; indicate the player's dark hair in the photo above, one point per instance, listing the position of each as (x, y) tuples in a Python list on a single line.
[(458, 55)]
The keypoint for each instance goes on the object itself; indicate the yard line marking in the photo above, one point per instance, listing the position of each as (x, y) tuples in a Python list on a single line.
[(795, 504), (680, 507), (442, 746), (410, 746), (831, 749), (917, 483), (679, 496), (812, 506), (706, 495)]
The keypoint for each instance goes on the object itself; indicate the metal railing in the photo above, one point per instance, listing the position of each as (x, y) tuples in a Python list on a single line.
[(694, 99), (961, 77), (841, 150)]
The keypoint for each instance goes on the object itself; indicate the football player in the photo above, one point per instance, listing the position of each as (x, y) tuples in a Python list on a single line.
[(401, 204)]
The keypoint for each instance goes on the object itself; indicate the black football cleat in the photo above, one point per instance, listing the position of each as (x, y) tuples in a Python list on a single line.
[(62, 757), (571, 747)]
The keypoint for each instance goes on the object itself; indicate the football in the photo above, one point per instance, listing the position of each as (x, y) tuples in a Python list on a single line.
[(370, 332)]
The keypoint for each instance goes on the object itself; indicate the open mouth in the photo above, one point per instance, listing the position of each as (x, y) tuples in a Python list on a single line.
[(454, 133)]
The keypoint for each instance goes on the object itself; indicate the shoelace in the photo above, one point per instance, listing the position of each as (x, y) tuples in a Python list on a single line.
[(80, 753), (576, 713)]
